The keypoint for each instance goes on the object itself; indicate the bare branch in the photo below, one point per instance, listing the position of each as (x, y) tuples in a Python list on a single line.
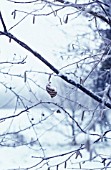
[(29, 2), (2, 21), (82, 7), (64, 77)]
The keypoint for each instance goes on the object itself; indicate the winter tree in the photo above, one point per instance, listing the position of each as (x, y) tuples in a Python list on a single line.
[(55, 84)]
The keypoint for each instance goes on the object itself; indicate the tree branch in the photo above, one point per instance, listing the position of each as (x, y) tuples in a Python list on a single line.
[(82, 7), (64, 77), (3, 23), (24, 2)]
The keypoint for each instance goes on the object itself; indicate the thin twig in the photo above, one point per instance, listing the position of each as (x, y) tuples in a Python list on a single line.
[(54, 69)]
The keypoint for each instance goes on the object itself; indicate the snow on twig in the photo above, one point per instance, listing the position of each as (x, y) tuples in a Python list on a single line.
[(55, 70)]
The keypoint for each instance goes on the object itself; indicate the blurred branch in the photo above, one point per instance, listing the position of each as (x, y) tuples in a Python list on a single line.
[(83, 7)]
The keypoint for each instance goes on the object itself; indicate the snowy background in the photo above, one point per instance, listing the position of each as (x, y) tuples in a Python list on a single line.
[(28, 135)]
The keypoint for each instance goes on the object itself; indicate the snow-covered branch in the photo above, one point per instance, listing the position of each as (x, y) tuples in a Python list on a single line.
[(55, 70)]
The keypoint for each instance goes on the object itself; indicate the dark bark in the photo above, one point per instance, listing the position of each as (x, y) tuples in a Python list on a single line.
[(64, 77), (3, 23)]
